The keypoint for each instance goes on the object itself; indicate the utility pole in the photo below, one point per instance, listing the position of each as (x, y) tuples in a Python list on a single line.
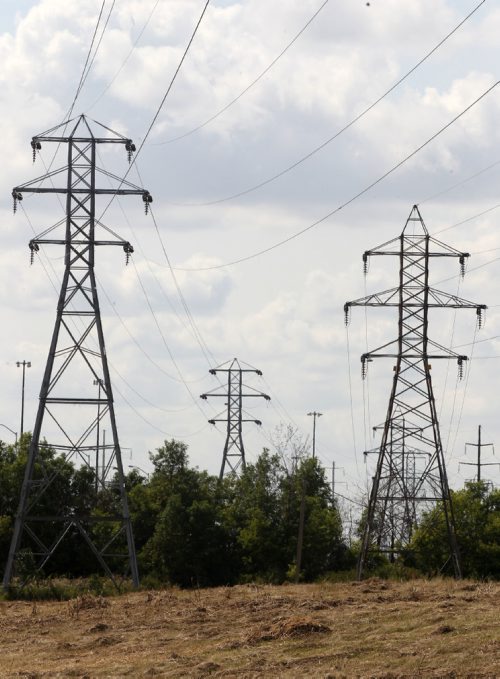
[(334, 479), (300, 537), (66, 417), (479, 445), (233, 454), (98, 383), (411, 428), (314, 415), (24, 365)]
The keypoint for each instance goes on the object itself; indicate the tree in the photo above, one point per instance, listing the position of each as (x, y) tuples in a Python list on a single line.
[(477, 520), (187, 543)]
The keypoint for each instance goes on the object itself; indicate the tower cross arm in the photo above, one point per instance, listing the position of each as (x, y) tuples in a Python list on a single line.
[(434, 299), (445, 299), (438, 351), (36, 242), (27, 188), (64, 140), (416, 246), (214, 371), (258, 394), (385, 298)]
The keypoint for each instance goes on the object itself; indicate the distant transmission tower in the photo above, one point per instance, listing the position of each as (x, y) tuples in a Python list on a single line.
[(69, 401), (411, 467), (234, 451)]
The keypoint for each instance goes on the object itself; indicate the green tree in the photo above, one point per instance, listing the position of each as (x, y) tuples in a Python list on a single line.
[(255, 517), (188, 543), (477, 520)]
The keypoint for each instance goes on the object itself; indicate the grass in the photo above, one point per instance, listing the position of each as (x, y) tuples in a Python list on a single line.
[(420, 628)]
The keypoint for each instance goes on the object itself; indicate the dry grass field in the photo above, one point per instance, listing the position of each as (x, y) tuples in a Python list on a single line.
[(421, 628)]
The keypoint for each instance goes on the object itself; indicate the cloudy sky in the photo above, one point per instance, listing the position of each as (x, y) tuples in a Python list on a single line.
[(281, 311)]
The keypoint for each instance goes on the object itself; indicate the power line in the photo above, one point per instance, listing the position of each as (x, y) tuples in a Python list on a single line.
[(153, 426), (162, 102), (137, 343), (209, 357), (358, 195), (84, 73), (470, 219), (193, 329), (465, 390), (243, 92), (342, 130), (85, 76), (195, 401), (143, 398), (124, 62), (351, 399), (460, 183), (470, 270)]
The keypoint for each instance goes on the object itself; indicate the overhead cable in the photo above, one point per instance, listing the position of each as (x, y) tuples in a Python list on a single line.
[(243, 92), (342, 130), (179, 372), (124, 62), (90, 60), (358, 195), (162, 102), (460, 183)]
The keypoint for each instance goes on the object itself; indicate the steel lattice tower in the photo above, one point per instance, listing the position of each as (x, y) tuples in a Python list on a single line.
[(69, 401), (411, 469), (234, 451)]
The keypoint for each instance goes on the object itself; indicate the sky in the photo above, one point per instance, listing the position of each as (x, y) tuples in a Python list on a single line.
[(281, 311)]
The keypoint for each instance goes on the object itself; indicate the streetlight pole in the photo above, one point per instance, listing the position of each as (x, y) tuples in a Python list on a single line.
[(139, 469), (314, 415), (24, 364), (11, 430)]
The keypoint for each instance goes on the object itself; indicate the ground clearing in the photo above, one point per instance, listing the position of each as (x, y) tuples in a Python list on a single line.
[(377, 629)]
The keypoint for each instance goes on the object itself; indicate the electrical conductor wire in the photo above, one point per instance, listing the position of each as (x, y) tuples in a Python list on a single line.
[(342, 130), (243, 92), (358, 195)]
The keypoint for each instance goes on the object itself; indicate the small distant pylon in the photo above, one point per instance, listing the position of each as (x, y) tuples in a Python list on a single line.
[(233, 456), (70, 412), (411, 468)]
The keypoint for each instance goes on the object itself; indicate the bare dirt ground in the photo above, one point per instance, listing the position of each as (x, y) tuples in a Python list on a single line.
[(371, 629)]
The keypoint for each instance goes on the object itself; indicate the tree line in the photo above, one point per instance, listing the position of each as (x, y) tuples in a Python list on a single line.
[(191, 529)]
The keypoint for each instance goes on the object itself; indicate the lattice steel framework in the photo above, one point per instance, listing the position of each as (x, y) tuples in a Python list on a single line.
[(410, 474), (71, 409), (234, 451)]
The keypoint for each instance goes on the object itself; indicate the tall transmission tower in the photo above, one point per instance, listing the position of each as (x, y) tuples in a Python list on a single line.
[(71, 409), (410, 469), (234, 451)]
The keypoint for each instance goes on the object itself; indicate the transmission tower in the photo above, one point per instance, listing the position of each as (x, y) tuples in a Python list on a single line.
[(411, 467), (71, 409), (234, 451)]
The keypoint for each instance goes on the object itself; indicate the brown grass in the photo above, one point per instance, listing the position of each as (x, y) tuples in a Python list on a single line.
[(374, 629)]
